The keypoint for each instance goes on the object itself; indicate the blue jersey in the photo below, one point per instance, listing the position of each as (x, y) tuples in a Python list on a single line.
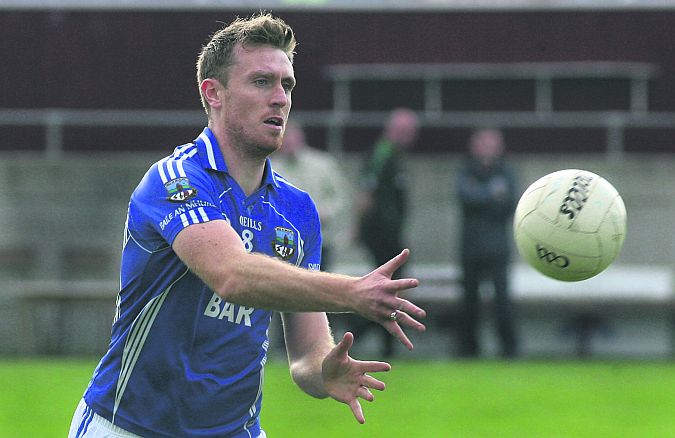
[(182, 361)]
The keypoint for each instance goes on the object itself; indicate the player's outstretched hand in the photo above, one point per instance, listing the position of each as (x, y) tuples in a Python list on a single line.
[(379, 300), (347, 379)]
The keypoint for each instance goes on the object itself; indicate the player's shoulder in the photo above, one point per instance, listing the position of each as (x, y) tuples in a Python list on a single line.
[(289, 192), (295, 204), (183, 161), (287, 188), (180, 167)]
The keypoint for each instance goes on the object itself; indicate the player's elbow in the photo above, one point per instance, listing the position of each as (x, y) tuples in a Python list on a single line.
[(229, 284), (229, 289), (308, 381)]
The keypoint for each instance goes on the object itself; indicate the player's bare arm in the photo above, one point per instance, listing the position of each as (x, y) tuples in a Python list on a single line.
[(308, 341), (323, 369), (215, 252)]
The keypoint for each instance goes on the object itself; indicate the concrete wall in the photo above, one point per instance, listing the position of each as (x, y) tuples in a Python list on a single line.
[(64, 220), (646, 184), (80, 202)]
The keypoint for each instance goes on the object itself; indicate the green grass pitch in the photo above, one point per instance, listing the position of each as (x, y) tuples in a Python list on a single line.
[(423, 399)]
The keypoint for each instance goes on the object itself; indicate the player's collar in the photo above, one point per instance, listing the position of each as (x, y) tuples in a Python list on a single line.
[(269, 179), (209, 151), (212, 157)]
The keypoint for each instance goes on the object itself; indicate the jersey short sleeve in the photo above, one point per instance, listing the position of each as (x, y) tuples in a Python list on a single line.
[(175, 193)]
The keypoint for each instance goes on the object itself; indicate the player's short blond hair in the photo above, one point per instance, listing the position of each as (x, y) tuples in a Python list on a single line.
[(260, 29)]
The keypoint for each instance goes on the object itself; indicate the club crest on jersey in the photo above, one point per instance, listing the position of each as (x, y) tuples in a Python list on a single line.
[(284, 242), (179, 190)]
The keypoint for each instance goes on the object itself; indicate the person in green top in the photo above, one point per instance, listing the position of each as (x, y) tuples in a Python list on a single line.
[(382, 204)]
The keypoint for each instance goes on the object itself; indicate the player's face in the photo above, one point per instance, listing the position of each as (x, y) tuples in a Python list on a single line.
[(257, 99)]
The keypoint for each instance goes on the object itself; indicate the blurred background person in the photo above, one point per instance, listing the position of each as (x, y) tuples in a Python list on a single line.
[(318, 173), (382, 205), (488, 195)]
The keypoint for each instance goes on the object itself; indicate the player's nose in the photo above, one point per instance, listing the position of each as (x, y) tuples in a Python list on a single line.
[(280, 96)]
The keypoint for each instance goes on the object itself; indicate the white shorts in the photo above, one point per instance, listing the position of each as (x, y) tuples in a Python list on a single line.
[(87, 424)]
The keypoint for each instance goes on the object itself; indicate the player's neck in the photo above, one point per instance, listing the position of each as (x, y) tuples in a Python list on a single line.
[(243, 164), (246, 171)]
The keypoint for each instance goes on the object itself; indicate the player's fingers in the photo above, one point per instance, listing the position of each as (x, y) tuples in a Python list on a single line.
[(392, 265), (411, 308), (373, 383), (403, 284), (372, 366), (409, 321), (357, 410), (365, 393), (396, 331), (345, 344)]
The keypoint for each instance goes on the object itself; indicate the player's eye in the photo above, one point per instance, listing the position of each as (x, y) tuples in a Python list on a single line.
[(288, 86)]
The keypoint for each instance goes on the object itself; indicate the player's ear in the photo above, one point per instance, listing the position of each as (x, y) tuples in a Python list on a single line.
[(209, 89)]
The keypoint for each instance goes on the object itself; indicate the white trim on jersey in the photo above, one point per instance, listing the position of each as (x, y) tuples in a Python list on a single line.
[(133, 345), (252, 411), (190, 217), (209, 149), (149, 251), (284, 180), (162, 163), (174, 163), (181, 160), (203, 215)]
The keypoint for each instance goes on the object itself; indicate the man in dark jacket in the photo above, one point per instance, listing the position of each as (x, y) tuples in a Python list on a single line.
[(488, 195)]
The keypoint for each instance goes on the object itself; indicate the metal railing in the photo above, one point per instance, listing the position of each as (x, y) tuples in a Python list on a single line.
[(342, 116), (542, 73), (614, 122)]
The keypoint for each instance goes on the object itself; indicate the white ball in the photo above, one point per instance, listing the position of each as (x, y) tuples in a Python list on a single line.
[(570, 224)]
